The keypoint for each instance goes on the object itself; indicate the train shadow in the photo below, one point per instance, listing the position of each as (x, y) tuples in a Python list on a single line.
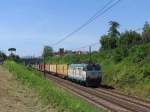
[(106, 86)]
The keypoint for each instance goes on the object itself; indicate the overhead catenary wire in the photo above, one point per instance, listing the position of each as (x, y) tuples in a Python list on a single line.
[(138, 29), (100, 12), (86, 46)]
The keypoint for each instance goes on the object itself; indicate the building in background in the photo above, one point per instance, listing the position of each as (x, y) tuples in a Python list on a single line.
[(61, 51)]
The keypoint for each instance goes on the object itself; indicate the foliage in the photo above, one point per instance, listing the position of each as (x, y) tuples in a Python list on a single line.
[(12, 49), (104, 41), (47, 51), (108, 42), (14, 57), (68, 59), (120, 53), (130, 38), (47, 91), (113, 42), (146, 32), (128, 75), (113, 32), (3, 56), (140, 52)]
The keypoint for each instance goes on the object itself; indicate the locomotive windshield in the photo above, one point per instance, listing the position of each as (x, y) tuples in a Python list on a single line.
[(93, 67), (97, 67)]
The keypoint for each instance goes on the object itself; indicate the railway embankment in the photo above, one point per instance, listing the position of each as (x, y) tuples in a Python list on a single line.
[(47, 91)]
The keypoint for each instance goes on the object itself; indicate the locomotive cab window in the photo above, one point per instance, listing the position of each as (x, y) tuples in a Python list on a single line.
[(89, 67)]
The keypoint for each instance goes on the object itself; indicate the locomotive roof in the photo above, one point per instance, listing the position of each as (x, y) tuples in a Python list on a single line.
[(78, 65)]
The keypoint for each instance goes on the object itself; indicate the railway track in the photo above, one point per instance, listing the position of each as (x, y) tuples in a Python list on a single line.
[(100, 97)]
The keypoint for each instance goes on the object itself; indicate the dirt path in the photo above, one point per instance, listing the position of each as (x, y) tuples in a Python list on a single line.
[(17, 98)]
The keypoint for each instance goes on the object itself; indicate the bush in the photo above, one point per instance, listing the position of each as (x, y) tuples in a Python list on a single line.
[(130, 38), (120, 53), (139, 53)]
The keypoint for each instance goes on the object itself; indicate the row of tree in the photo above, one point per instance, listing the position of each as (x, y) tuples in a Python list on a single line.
[(126, 39)]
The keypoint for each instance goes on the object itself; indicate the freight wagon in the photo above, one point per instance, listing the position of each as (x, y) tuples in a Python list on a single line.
[(88, 74)]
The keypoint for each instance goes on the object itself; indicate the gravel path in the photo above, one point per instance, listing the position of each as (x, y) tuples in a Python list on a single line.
[(17, 98)]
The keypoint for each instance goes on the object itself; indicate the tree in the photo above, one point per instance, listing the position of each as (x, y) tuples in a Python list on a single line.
[(104, 41), (110, 41), (130, 38), (113, 30), (3, 56), (47, 51), (113, 34), (146, 32), (11, 50), (113, 41)]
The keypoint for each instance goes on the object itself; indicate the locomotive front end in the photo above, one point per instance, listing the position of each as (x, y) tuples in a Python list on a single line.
[(93, 75)]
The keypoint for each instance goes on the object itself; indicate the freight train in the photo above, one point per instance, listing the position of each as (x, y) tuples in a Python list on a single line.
[(87, 74)]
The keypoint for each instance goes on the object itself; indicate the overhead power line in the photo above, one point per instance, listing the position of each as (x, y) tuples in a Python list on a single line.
[(86, 46), (100, 12)]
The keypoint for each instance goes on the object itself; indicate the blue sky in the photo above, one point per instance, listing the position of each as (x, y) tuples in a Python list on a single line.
[(28, 25)]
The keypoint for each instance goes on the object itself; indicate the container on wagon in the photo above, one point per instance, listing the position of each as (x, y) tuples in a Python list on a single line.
[(53, 68), (62, 70)]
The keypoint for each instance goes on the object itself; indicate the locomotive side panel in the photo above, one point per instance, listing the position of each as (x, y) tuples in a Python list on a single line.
[(76, 72)]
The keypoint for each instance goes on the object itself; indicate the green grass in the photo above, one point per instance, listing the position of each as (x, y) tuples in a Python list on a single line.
[(126, 70), (48, 92)]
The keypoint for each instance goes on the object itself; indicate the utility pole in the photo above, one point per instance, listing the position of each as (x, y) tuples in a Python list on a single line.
[(44, 66), (90, 54)]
